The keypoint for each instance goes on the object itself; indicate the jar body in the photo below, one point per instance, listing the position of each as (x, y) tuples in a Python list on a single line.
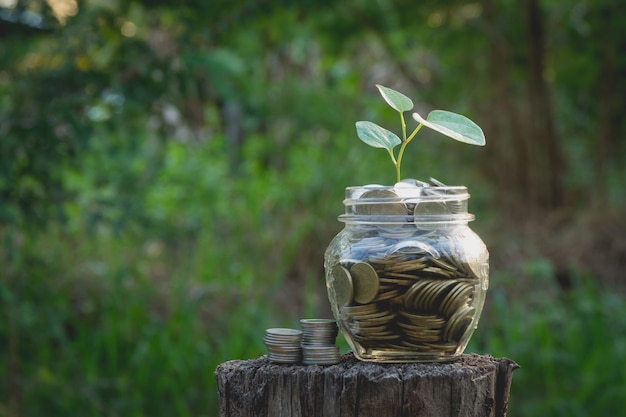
[(406, 287)]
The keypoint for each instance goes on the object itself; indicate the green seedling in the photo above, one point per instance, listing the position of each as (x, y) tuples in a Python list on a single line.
[(450, 124)]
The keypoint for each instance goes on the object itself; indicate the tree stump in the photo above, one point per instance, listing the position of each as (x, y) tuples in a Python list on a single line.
[(473, 386)]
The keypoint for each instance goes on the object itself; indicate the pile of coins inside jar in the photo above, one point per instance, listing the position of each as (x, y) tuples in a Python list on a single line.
[(313, 345), (406, 287)]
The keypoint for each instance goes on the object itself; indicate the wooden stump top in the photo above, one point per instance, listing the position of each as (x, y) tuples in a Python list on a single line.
[(474, 385)]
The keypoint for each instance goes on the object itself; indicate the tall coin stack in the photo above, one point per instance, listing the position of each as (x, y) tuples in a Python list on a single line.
[(283, 345), (318, 342)]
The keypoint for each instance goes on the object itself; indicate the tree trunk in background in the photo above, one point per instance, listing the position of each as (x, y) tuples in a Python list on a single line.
[(526, 158), (508, 152), (547, 161), (611, 97)]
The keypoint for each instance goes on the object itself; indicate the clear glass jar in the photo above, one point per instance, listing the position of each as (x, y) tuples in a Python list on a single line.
[(407, 277)]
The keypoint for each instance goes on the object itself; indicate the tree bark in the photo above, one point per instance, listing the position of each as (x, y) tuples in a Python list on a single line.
[(509, 151), (470, 387), (548, 160)]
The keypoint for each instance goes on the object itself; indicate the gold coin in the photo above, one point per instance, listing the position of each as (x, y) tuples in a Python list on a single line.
[(341, 285), (389, 295), (367, 330), (439, 272), (394, 282), (407, 278), (442, 290), (412, 293), (365, 282), (405, 266), (460, 298), (458, 324), (442, 264), (428, 296), (431, 321), (360, 310), (450, 299), (421, 336), (375, 321)]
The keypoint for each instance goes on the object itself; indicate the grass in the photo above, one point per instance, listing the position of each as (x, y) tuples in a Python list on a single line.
[(108, 341), (570, 348)]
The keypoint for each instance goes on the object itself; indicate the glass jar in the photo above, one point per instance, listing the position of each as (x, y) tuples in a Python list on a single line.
[(407, 277)]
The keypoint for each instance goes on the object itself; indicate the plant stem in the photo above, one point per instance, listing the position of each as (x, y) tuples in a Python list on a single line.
[(404, 143), (393, 158)]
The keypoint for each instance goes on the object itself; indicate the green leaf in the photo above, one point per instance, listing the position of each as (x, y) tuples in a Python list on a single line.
[(376, 136), (397, 100), (453, 125)]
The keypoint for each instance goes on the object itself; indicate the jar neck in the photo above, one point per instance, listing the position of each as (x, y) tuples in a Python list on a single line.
[(401, 204)]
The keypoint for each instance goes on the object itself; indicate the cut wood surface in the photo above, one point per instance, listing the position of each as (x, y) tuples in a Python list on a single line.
[(475, 385)]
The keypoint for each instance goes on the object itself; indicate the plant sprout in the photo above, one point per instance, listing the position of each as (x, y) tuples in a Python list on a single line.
[(450, 124)]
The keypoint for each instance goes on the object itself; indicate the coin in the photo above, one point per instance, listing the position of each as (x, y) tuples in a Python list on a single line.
[(423, 301), (342, 285), (430, 321), (360, 310), (413, 246), (357, 328), (407, 189), (421, 336), (365, 282), (283, 345), (457, 297), (436, 182), (444, 265), (374, 321), (439, 290), (430, 208), (413, 293), (320, 355), (318, 332), (386, 315), (395, 281), (381, 203), (374, 338), (438, 272), (458, 323), (390, 296), (281, 334), (411, 266), (450, 299)]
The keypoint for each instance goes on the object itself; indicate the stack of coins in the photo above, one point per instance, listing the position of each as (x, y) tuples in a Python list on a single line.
[(318, 342), (283, 345), (320, 355), (318, 332)]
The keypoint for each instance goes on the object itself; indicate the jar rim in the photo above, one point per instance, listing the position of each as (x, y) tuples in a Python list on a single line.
[(354, 194), (402, 204), (440, 219), (392, 187)]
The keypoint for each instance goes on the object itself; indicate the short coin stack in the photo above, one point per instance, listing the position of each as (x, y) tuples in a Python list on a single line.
[(283, 345), (318, 342)]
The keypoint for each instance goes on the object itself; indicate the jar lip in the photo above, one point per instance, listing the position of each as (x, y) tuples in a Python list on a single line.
[(451, 219), (393, 187), (355, 194)]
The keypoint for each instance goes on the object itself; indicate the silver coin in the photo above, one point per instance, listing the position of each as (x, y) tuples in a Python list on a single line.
[(381, 203)]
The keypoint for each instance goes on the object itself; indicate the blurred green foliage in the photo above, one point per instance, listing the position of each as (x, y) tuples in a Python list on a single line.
[(170, 175)]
